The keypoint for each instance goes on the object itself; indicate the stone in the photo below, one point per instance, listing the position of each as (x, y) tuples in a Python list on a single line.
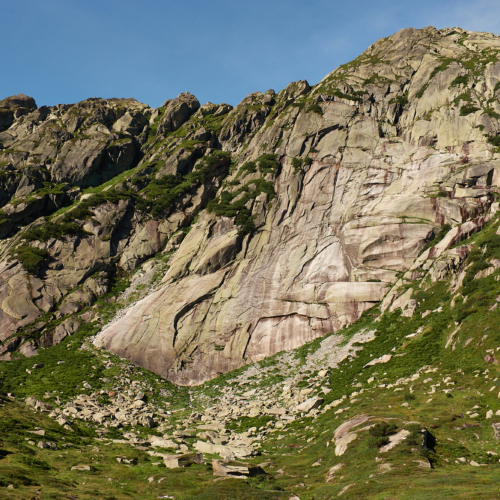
[(383, 359), (330, 241), (146, 421), (330, 475), (310, 404), (225, 451), (81, 468), (46, 445), (38, 432), (233, 468), (394, 440), (489, 414), (183, 460)]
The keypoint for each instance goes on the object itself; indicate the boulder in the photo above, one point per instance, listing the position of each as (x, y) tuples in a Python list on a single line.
[(310, 404), (184, 460), (81, 467), (233, 468)]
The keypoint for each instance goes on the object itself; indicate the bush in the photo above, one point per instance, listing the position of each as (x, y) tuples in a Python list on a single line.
[(299, 163), (52, 230), (494, 141), (460, 80), (415, 437), (161, 194), (81, 211), (383, 429), (29, 257), (468, 109), (223, 206), (410, 397), (379, 442)]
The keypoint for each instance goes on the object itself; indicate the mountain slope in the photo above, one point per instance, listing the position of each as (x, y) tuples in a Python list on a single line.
[(273, 223)]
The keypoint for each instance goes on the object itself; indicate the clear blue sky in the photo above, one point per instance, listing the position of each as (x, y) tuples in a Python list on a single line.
[(64, 51)]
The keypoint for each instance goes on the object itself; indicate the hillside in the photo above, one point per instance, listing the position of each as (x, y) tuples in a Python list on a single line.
[(307, 283)]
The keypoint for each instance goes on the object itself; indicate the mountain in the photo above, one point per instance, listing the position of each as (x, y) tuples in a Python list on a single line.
[(303, 288), (280, 220)]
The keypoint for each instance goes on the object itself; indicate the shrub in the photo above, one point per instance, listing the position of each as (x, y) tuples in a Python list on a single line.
[(415, 437), (409, 396), (402, 99), (81, 211), (29, 257), (223, 206), (52, 230), (494, 141), (379, 442), (382, 429), (468, 109), (299, 163), (460, 80)]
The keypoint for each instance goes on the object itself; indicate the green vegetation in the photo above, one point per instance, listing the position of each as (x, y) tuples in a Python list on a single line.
[(299, 163), (245, 423), (468, 109), (161, 194), (494, 140), (82, 209), (309, 107), (460, 80), (52, 230), (225, 206), (491, 113), (402, 100), (31, 258)]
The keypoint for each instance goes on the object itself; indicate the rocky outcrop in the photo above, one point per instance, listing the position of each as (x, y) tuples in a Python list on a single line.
[(14, 107), (332, 193)]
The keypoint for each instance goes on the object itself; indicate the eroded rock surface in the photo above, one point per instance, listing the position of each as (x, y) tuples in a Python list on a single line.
[(333, 192)]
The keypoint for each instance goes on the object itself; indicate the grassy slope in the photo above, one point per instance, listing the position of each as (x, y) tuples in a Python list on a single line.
[(292, 450)]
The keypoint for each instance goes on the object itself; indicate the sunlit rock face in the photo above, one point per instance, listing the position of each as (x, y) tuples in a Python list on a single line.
[(325, 196)]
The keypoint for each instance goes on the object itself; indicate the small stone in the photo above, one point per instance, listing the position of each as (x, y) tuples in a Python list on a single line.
[(46, 445), (81, 467), (489, 414)]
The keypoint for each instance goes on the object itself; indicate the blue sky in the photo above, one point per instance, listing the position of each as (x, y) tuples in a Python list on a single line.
[(64, 51)]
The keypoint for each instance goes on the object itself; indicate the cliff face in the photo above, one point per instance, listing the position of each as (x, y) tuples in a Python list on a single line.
[(303, 207)]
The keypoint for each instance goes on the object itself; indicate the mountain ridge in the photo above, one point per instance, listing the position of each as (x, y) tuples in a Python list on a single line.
[(374, 153)]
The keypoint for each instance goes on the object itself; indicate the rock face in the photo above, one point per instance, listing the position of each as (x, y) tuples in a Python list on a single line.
[(333, 191)]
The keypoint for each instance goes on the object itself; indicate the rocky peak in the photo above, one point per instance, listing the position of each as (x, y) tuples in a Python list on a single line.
[(270, 224)]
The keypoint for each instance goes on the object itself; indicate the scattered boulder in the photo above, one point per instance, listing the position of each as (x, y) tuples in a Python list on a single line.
[(383, 359), (232, 468), (47, 445), (81, 467), (310, 404), (330, 475), (175, 461)]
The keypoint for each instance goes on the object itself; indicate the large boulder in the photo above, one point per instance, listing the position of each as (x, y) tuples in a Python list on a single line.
[(177, 112)]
